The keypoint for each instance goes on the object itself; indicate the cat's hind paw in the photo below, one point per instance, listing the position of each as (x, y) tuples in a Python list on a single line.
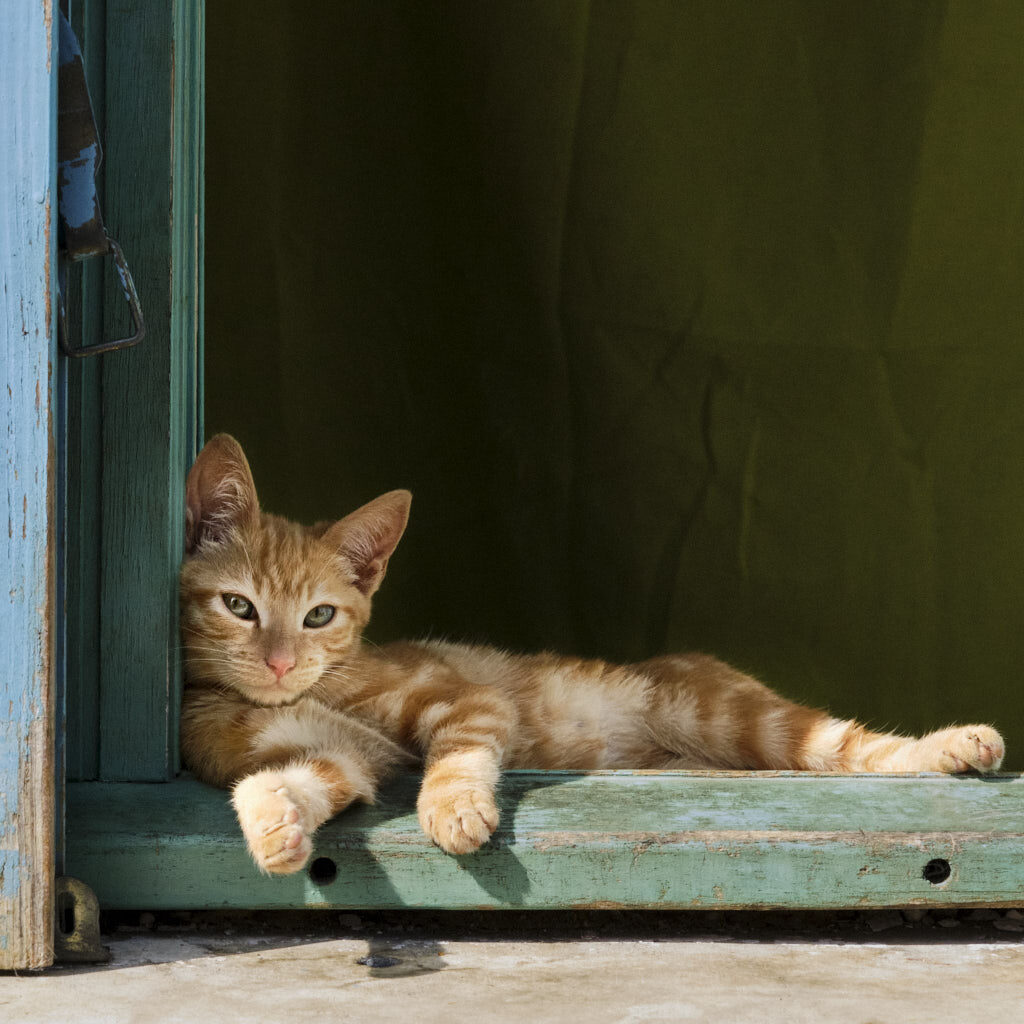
[(971, 747), (272, 823), (458, 820)]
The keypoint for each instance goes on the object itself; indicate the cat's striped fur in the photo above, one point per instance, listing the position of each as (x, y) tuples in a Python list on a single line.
[(301, 720)]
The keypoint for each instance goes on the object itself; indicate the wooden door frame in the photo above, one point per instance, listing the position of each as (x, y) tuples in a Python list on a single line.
[(125, 425), (28, 94)]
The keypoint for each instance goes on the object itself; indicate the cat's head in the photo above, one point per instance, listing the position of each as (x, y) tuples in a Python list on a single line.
[(269, 606)]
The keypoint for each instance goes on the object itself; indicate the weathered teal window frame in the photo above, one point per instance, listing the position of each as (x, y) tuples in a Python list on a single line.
[(141, 835), (134, 416)]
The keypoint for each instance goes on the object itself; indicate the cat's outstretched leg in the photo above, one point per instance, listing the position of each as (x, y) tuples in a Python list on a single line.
[(463, 730), (959, 748), (279, 809), (706, 714), (456, 804), (318, 762), (290, 768)]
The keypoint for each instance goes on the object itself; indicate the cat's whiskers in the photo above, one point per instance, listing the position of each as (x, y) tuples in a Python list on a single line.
[(210, 655), (335, 672), (218, 652)]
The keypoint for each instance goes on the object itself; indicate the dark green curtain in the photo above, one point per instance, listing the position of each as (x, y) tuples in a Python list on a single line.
[(689, 324)]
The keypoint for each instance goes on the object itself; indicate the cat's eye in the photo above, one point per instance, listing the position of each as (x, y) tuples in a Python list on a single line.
[(238, 605), (319, 616)]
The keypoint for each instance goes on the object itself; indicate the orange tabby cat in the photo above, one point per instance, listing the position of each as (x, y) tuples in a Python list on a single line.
[(284, 704)]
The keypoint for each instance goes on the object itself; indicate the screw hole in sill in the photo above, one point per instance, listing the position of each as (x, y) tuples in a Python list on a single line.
[(323, 871), (937, 871)]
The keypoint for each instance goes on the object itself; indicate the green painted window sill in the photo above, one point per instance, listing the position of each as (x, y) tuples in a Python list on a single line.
[(582, 840)]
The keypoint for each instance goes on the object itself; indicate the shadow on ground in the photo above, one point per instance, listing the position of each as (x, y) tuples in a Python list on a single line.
[(396, 944)]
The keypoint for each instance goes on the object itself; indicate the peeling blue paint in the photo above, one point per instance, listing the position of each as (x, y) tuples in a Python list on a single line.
[(78, 203), (79, 155), (10, 873), (28, 95)]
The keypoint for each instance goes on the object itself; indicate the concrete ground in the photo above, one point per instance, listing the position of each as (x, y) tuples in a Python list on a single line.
[(594, 967)]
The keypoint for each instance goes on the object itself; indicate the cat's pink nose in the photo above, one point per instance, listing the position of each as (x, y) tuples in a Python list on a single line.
[(280, 663)]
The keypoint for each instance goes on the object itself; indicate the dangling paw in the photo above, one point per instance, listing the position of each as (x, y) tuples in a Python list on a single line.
[(967, 747), (460, 819), (273, 823)]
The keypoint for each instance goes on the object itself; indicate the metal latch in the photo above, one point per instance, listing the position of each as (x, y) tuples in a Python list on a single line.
[(81, 233)]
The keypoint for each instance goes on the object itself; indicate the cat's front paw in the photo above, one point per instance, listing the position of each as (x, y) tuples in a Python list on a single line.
[(968, 747), (273, 823), (458, 819)]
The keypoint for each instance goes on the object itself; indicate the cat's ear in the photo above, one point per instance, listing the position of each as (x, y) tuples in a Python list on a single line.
[(220, 495), (368, 536)]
